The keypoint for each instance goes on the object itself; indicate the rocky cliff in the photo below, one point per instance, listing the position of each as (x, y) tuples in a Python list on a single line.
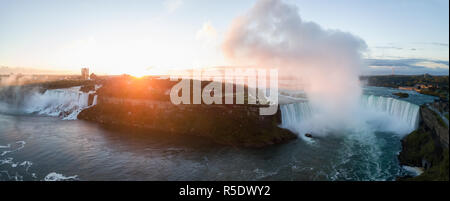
[(427, 147), (234, 125), (435, 124)]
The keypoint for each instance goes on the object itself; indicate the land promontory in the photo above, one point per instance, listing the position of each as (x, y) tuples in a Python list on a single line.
[(144, 104), (427, 147)]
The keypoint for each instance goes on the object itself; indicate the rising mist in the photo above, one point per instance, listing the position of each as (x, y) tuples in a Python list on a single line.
[(273, 35)]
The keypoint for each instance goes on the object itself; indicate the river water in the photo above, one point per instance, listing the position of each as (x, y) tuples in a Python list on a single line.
[(36, 147)]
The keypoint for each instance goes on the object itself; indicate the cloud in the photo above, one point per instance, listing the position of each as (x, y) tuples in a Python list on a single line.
[(389, 47), (173, 5), (407, 66), (273, 35), (440, 44), (273, 32), (29, 71), (431, 64), (207, 33)]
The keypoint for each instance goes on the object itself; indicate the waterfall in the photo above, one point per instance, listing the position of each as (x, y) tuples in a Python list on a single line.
[(295, 113), (374, 109), (95, 100), (401, 110), (65, 103)]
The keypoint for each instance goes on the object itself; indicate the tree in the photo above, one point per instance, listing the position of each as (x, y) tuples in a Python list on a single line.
[(93, 76)]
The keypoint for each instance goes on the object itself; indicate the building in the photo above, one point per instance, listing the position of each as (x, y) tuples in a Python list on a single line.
[(423, 86), (417, 87), (85, 73), (409, 88)]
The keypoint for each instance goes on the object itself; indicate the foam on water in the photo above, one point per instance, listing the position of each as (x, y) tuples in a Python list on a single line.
[(5, 147), (20, 170), (17, 169), (21, 146), (375, 156), (413, 171), (6, 161), (59, 177)]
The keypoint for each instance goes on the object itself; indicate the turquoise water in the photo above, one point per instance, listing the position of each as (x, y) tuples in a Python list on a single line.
[(34, 148), (48, 148), (414, 97)]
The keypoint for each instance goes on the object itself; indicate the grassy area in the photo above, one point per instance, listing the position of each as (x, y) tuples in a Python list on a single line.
[(395, 81), (438, 93), (440, 120), (438, 172), (419, 146), (401, 95), (223, 125), (439, 84), (149, 88), (62, 84)]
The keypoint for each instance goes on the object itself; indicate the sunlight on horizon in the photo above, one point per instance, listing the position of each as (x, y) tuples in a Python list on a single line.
[(149, 38)]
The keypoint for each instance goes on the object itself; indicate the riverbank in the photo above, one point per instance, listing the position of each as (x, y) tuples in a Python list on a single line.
[(145, 103), (233, 125), (425, 84), (427, 147)]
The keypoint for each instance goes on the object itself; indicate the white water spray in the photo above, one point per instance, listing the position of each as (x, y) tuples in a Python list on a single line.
[(379, 113), (65, 103), (273, 35)]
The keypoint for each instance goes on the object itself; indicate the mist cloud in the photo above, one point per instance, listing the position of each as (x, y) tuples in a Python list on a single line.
[(273, 35)]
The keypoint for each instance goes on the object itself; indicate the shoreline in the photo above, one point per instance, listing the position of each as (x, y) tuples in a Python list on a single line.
[(426, 148), (233, 125)]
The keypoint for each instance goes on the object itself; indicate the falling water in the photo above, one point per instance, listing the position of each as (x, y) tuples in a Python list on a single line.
[(294, 115), (64, 103), (403, 111)]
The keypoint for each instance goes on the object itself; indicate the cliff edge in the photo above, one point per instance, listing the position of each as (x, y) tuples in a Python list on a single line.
[(427, 147), (234, 125)]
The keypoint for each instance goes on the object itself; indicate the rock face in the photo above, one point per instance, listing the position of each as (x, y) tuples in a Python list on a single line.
[(433, 123), (427, 147), (87, 88), (234, 125)]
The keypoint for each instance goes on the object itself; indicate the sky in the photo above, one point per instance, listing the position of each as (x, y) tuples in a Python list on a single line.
[(152, 36)]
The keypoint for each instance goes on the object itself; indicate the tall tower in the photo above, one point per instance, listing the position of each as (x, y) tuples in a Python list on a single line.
[(85, 73)]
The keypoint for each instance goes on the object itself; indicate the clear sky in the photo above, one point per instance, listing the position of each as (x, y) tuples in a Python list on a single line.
[(144, 37)]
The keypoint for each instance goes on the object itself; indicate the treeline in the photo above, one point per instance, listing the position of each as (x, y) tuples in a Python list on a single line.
[(150, 88), (439, 84)]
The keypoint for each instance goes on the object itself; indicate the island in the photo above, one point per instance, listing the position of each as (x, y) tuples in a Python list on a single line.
[(145, 104), (401, 95)]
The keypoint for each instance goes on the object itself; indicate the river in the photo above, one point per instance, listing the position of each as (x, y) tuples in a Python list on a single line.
[(36, 147)]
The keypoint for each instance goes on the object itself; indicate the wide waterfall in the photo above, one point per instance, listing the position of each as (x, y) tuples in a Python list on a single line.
[(402, 110), (65, 103), (295, 114), (382, 112)]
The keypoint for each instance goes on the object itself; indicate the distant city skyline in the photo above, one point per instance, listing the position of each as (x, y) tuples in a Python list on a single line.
[(150, 37)]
